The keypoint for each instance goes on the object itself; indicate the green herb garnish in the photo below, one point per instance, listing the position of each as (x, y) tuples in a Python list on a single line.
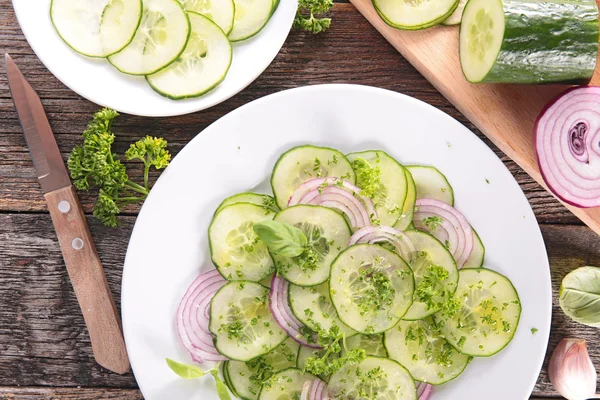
[(333, 341), (281, 238), (368, 178), (306, 15), (193, 372)]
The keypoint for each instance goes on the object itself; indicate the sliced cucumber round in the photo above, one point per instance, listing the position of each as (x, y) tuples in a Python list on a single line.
[(305, 352), (456, 16), (408, 210), (312, 306), (263, 200), (201, 67), (327, 233), (227, 379), (237, 252), (414, 14), (285, 385), (484, 315), (303, 163), (371, 344), (160, 39), (428, 357), (385, 180), (477, 256), (242, 322), (221, 12), (374, 378), (96, 28), (371, 288), (431, 184), (250, 17), (243, 375), (436, 275)]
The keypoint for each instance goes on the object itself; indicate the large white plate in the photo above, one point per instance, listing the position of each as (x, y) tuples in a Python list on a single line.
[(169, 247), (98, 81)]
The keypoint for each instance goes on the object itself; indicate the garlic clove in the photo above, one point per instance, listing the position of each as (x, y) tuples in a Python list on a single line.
[(571, 370)]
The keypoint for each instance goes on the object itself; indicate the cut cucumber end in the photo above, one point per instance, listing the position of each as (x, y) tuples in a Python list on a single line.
[(251, 16), (414, 14), (201, 67), (481, 36)]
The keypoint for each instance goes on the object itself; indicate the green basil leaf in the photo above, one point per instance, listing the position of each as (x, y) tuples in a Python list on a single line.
[(579, 296), (185, 371), (281, 238), (221, 388)]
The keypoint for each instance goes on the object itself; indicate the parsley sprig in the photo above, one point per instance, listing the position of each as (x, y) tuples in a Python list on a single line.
[(94, 164), (333, 341), (306, 15), (193, 372)]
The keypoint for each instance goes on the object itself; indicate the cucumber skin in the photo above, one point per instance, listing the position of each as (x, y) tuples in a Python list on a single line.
[(561, 34), (415, 27)]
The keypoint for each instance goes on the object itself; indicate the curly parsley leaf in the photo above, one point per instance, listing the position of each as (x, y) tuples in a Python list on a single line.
[(94, 165), (306, 16)]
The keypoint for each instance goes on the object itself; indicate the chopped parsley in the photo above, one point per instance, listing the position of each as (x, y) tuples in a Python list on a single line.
[(367, 177), (332, 341), (380, 292), (432, 222), (431, 290), (534, 331)]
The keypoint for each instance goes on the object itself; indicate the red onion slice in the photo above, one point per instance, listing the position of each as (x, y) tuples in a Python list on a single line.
[(306, 390), (282, 312), (192, 317), (385, 234), (567, 142), (339, 194), (453, 227), (424, 391)]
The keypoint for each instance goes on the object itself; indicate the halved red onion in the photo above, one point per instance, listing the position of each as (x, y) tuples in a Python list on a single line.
[(339, 194), (424, 390), (385, 234), (567, 143), (453, 227), (193, 317), (282, 312)]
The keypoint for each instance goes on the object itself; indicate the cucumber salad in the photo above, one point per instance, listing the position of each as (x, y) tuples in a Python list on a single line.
[(183, 48), (356, 279)]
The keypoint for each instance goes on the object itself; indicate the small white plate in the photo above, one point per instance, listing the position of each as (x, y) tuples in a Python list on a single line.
[(169, 248), (98, 81)]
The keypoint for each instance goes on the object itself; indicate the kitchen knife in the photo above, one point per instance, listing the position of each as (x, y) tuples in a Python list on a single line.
[(74, 237)]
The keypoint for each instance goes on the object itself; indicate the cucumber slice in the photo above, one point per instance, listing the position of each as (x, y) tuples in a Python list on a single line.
[(428, 357), (305, 352), (431, 291), (486, 315), (372, 344), (243, 375), (371, 288), (389, 195), (285, 385), (312, 306), (408, 210), (374, 378), (250, 17), (235, 249), (263, 200), (414, 14), (529, 41), (221, 12), (160, 39), (201, 67), (477, 256), (303, 163), (242, 323), (431, 184), (96, 28), (456, 16), (327, 233), (227, 379)]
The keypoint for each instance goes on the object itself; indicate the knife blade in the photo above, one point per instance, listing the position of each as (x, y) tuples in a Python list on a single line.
[(74, 237)]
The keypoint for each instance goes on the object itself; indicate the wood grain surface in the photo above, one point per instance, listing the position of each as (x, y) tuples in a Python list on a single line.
[(45, 352)]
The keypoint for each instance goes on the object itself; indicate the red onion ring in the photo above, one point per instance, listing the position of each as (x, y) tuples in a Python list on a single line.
[(385, 234), (305, 390), (424, 390), (321, 393), (339, 194), (453, 227), (192, 317), (567, 144), (282, 312)]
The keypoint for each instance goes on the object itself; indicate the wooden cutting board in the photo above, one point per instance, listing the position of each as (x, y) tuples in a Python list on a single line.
[(504, 113)]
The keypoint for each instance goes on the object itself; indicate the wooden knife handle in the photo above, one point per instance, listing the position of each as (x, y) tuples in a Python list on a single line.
[(88, 279)]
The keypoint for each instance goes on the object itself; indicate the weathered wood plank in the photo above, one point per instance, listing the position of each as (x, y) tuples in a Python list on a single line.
[(43, 341), (34, 393), (351, 52)]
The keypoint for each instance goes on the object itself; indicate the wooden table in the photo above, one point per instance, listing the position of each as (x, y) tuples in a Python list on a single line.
[(45, 352)]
